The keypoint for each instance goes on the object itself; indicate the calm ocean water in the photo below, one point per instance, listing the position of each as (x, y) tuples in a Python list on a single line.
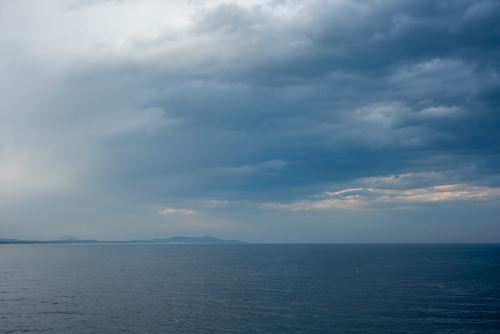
[(250, 288)]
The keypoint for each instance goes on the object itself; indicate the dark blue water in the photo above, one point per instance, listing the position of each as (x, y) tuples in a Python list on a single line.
[(250, 288)]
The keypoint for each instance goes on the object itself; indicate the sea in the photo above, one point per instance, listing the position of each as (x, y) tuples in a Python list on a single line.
[(250, 288)]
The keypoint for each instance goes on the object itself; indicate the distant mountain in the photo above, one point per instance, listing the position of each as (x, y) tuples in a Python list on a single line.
[(174, 240), (67, 238), (188, 240)]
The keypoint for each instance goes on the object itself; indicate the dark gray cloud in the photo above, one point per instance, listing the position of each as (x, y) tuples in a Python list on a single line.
[(262, 108)]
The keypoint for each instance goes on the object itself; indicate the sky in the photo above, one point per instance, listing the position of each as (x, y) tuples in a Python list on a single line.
[(257, 120)]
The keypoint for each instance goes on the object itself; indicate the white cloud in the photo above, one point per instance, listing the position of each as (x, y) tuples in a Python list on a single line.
[(480, 10), (169, 211), (392, 192), (439, 111)]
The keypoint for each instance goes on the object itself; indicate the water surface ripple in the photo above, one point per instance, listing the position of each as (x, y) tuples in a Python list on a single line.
[(105, 288)]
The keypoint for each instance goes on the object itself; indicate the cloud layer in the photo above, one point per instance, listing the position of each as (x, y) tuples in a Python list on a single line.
[(118, 118)]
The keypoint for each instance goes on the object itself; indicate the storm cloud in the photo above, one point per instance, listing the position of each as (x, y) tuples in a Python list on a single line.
[(345, 121)]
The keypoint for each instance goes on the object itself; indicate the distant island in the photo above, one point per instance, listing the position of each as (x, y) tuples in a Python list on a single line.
[(189, 240), (174, 240)]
